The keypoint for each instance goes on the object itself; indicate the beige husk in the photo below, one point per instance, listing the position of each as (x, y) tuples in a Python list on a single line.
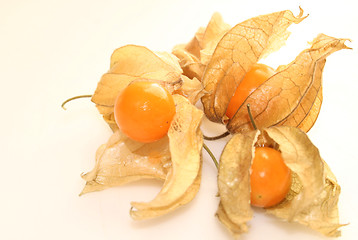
[(236, 52), (196, 54), (176, 159), (183, 179), (291, 97), (312, 200), (131, 63), (122, 160), (233, 183)]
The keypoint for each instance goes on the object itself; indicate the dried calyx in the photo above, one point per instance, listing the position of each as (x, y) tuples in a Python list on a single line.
[(291, 97), (174, 159), (314, 192)]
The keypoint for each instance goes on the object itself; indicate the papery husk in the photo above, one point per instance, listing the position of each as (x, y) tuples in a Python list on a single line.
[(293, 96), (195, 55), (240, 48), (183, 180), (313, 197), (122, 160), (137, 60), (175, 159), (234, 210), (131, 63), (316, 204), (191, 89)]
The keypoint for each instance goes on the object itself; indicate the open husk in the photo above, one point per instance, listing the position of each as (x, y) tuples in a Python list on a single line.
[(291, 97), (183, 180), (176, 159), (132, 62), (312, 200), (240, 48)]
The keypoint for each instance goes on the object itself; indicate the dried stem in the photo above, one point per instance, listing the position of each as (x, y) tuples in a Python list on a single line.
[(216, 137), (211, 155), (73, 98), (251, 118)]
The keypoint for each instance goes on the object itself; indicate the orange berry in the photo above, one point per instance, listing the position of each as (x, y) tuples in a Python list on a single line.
[(144, 111), (270, 178), (257, 74)]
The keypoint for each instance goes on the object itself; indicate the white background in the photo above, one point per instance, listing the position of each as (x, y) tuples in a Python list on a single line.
[(53, 50)]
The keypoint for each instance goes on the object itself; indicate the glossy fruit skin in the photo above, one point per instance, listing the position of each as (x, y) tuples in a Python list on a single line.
[(144, 111), (257, 75), (270, 178)]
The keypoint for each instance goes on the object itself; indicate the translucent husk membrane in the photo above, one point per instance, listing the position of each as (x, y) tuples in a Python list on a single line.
[(174, 159), (220, 56), (314, 193)]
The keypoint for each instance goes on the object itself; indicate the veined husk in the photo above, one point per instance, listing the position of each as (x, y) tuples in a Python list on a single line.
[(292, 96), (183, 180), (240, 48), (196, 54), (130, 63), (313, 197), (122, 160), (176, 159)]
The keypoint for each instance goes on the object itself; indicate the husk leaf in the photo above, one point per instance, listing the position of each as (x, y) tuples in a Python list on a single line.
[(316, 204), (176, 159), (195, 55), (136, 60), (122, 160), (240, 48), (182, 183), (313, 197), (234, 181), (293, 96), (131, 63)]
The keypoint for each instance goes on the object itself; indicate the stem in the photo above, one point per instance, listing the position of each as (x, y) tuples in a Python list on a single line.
[(73, 98), (216, 137), (211, 155), (250, 115)]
